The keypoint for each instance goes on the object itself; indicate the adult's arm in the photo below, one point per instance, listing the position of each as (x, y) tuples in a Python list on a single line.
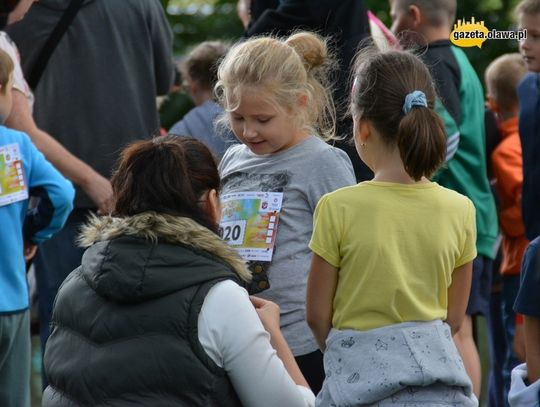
[(321, 289), (97, 187), (232, 334), (269, 315)]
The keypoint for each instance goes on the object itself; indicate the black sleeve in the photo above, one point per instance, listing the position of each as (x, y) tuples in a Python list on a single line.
[(445, 71), (288, 15)]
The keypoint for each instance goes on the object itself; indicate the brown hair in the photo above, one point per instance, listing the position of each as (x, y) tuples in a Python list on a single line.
[(202, 63), (502, 77), (437, 12), (6, 69), (168, 175), (528, 7), (283, 69), (382, 81)]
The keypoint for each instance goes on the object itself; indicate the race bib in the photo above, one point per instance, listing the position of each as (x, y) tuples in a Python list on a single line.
[(249, 223), (13, 186)]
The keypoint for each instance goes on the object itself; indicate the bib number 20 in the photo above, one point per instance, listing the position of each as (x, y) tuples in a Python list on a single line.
[(233, 232)]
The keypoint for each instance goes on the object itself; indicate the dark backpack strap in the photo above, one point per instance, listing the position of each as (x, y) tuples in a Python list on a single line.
[(52, 42)]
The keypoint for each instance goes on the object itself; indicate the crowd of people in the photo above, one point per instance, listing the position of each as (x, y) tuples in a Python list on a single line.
[(271, 249)]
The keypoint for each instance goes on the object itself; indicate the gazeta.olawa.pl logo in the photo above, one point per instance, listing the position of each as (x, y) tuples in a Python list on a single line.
[(475, 33)]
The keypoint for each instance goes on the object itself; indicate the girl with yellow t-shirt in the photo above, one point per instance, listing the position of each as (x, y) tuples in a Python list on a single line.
[(392, 262)]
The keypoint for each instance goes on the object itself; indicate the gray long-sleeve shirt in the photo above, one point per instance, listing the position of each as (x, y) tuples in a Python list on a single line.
[(98, 90)]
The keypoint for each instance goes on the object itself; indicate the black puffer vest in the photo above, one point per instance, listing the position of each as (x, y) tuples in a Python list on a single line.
[(125, 322)]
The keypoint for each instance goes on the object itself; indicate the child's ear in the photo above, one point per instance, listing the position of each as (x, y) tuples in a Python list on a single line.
[(492, 104), (214, 205), (302, 100), (416, 15), (364, 130)]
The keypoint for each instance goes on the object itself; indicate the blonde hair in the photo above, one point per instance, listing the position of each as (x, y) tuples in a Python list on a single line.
[(502, 77), (284, 69), (6, 69)]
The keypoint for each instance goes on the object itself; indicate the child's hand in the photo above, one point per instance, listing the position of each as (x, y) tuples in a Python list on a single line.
[(268, 313), (30, 250)]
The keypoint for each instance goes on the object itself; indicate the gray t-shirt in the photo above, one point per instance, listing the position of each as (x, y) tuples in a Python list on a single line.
[(304, 173)]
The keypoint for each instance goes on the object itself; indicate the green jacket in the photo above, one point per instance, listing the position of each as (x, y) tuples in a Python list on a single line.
[(462, 109), (124, 326)]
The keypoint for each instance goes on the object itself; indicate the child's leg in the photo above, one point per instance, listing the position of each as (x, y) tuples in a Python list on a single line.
[(15, 360), (510, 290), (497, 350), (464, 340), (478, 304)]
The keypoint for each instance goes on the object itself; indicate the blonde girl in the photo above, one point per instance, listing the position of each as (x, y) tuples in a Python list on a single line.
[(278, 104), (392, 261)]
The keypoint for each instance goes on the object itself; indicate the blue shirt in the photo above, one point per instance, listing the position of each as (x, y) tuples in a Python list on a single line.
[(529, 132), (528, 298), (199, 123), (54, 195)]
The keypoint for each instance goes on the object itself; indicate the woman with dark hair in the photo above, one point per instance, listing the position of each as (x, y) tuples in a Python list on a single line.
[(155, 314)]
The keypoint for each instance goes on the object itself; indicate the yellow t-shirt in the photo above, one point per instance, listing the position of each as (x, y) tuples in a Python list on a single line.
[(396, 246)]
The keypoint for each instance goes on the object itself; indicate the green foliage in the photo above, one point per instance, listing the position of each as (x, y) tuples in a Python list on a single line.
[(194, 21)]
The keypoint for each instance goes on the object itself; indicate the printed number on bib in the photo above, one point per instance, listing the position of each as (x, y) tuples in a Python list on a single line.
[(12, 181), (249, 223), (233, 232)]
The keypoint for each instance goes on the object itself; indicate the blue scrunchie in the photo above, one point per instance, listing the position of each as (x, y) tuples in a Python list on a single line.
[(415, 98)]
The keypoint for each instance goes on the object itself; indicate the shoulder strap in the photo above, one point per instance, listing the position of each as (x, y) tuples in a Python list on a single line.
[(52, 42)]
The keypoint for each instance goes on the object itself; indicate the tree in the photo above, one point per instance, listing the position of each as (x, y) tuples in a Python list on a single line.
[(194, 21)]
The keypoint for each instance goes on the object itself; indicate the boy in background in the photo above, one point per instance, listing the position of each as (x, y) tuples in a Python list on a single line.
[(427, 24), (525, 390), (502, 77), (528, 13), (199, 74), (24, 172)]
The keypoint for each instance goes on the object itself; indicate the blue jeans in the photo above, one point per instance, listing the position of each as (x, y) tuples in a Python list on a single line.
[(510, 289), (56, 258), (497, 351)]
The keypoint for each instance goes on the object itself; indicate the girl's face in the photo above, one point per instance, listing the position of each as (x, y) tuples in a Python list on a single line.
[(263, 127)]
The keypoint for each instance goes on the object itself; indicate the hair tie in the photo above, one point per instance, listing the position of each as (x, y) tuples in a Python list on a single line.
[(415, 98)]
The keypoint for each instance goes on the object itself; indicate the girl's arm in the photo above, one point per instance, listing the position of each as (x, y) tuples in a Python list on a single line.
[(458, 296), (321, 288)]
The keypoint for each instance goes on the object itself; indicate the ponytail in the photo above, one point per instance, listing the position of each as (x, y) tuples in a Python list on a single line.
[(395, 92), (421, 139)]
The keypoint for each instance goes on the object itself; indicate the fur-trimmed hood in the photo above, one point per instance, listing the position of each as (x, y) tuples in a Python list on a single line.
[(150, 255)]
